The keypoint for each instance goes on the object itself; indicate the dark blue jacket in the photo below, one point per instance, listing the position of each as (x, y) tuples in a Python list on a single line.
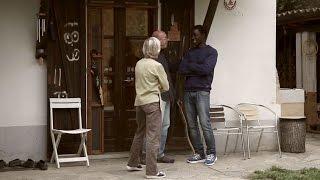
[(198, 67)]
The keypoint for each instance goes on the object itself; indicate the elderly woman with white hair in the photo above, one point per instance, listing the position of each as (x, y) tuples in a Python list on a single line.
[(151, 80)]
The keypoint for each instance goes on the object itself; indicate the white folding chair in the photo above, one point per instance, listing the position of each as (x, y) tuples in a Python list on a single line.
[(254, 115), (69, 103), (223, 124)]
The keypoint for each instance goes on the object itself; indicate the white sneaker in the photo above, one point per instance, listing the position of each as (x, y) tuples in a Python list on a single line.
[(138, 168), (158, 176)]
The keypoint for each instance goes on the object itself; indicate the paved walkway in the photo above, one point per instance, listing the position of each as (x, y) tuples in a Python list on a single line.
[(230, 166)]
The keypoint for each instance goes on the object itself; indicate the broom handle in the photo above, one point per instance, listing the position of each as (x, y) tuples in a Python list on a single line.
[(185, 124)]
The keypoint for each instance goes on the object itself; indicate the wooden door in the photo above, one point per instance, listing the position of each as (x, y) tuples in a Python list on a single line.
[(103, 72), (116, 32), (139, 25)]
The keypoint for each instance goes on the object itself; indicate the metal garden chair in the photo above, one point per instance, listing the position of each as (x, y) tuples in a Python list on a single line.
[(227, 121), (258, 118)]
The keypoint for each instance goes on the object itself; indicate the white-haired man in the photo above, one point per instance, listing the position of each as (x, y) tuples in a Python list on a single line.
[(151, 80)]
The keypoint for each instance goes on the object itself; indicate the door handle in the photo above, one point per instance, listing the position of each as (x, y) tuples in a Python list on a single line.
[(128, 80)]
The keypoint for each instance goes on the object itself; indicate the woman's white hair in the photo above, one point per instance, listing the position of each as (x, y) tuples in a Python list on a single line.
[(151, 48)]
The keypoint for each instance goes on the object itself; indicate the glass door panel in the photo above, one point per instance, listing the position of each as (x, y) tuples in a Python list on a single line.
[(108, 22), (94, 19), (133, 55), (108, 73), (136, 22)]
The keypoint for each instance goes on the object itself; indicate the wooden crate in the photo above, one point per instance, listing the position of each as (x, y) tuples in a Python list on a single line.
[(292, 109)]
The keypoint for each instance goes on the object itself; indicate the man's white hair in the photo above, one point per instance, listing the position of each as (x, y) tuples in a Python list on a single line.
[(151, 48)]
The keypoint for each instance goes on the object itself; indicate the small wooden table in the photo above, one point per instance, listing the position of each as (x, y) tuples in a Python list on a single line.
[(293, 134)]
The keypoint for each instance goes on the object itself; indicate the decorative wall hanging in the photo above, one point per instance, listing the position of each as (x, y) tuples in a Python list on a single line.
[(71, 39), (41, 26), (230, 4), (310, 48)]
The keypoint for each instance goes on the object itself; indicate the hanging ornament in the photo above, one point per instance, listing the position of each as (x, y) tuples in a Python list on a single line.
[(230, 4), (41, 32)]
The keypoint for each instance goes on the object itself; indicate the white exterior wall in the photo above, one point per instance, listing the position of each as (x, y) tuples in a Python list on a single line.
[(23, 92), (245, 39)]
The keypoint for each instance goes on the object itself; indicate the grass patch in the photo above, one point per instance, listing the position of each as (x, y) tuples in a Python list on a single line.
[(277, 173)]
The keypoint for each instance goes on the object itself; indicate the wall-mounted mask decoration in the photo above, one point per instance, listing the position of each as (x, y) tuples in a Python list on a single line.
[(71, 39), (230, 4), (310, 48)]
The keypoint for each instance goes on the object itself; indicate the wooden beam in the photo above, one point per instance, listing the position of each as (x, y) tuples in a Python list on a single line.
[(304, 27), (297, 18), (210, 15)]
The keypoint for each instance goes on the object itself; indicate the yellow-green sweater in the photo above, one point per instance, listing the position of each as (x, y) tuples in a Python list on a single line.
[(150, 81)]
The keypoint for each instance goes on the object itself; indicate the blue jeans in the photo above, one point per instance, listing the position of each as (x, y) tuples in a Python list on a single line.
[(197, 104), (165, 113)]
